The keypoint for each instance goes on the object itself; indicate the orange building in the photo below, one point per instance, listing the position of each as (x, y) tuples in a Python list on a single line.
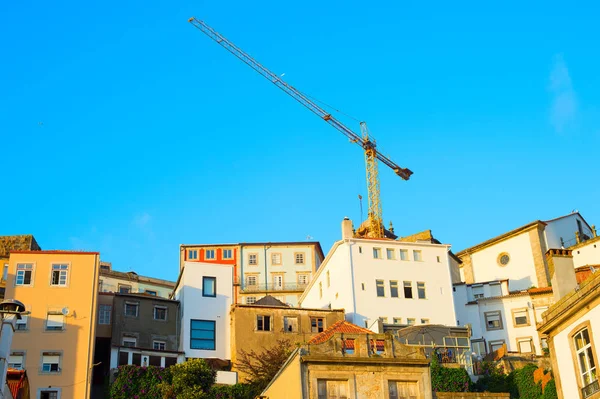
[(55, 343)]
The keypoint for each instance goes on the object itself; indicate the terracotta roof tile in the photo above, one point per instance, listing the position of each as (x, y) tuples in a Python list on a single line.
[(341, 326), (540, 290)]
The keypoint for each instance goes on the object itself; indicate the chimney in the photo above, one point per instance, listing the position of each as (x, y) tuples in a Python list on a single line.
[(347, 228), (562, 272)]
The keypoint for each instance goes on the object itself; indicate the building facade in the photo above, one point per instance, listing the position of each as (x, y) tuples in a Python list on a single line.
[(55, 343), (347, 361), (145, 331), (280, 269), (572, 326), (132, 283), (392, 281), (256, 327), (24, 242), (519, 255)]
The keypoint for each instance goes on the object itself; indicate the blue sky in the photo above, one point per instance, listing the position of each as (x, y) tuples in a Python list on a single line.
[(126, 130)]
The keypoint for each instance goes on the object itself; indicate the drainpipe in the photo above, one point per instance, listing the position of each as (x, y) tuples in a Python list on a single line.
[(266, 276)]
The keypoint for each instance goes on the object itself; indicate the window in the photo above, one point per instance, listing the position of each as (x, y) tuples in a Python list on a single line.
[(209, 254), (384, 320), (320, 290), (495, 345), (377, 346), (299, 258), (349, 346), (129, 342), (22, 323), (45, 394), (397, 320), (410, 322), (50, 362), (303, 279), (377, 253), (55, 322), (150, 292), (332, 389), (24, 274), (278, 281), (408, 294), (192, 254), (131, 309), (276, 259), (439, 260), (328, 279), (160, 313), (5, 272), (263, 323), (250, 300), (59, 275), (202, 334), (479, 348), (402, 390), (477, 291), (251, 280), (421, 290), (417, 256), (520, 317), (290, 324), (380, 288), (586, 360), (104, 312), (253, 259), (209, 286), (159, 345), (525, 345), (394, 289), (16, 360), (404, 254), (227, 254), (124, 289), (360, 250), (493, 320), (424, 321), (391, 254), (316, 324), (104, 268)]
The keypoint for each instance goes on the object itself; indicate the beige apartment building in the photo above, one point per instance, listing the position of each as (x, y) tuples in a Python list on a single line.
[(55, 343)]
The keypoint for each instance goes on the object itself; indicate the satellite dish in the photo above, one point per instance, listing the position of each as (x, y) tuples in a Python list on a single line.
[(65, 311)]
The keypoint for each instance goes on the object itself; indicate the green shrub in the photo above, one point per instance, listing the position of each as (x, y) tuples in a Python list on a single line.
[(526, 386), (237, 391), (139, 382), (493, 379), (192, 379), (550, 390), (445, 379)]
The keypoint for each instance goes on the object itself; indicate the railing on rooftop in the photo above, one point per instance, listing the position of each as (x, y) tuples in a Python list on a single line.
[(590, 389), (273, 287)]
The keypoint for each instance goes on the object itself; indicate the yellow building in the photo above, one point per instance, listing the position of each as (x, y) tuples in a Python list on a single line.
[(55, 343)]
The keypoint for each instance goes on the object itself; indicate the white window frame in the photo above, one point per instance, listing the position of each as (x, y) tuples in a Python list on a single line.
[(129, 339), (251, 277), (228, 251), (421, 288), (492, 314), (137, 309), (585, 351), (24, 271), (276, 259), (377, 254), (60, 274), (164, 344), (15, 355), (269, 328), (55, 321), (192, 254), (417, 255), (213, 253), (51, 354), (305, 277), (299, 258), (104, 309), (411, 321), (391, 251), (250, 300), (404, 255), (253, 259), (160, 307)]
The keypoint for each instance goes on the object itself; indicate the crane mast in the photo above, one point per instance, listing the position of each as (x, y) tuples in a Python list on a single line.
[(375, 227)]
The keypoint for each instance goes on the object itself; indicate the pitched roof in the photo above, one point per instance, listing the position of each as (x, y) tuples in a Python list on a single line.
[(341, 326), (24, 242), (268, 300)]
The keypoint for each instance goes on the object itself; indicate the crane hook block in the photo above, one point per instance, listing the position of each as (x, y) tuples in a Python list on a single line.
[(327, 117)]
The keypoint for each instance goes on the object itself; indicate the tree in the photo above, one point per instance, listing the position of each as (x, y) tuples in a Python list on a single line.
[(192, 379), (261, 367)]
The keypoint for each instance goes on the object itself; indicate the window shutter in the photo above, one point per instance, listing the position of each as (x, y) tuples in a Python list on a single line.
[(55, 320), (51, 359)]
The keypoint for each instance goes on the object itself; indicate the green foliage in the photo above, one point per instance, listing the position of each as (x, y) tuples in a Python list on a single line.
[(550, 390), (526, 386), (192, 379), (493, 379), (138, 382), (237, 391), (445, 379)]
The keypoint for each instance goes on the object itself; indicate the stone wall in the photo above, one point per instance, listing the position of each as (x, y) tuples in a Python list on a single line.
[(470, 395)]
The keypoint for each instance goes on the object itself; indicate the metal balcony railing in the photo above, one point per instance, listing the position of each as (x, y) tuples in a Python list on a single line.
[(273, 287), (590, 389)]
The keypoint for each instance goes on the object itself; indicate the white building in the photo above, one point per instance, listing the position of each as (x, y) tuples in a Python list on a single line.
[(205, 292), (395, 281), (519, 255), (132, 283), (587, 253), (572, 325), (498, 317)]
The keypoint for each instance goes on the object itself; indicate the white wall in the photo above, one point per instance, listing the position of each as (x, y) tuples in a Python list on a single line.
[(564, 227), (367, 307), (568, 373), (111, 284), (588, 254), (520, 270), (196, 306)]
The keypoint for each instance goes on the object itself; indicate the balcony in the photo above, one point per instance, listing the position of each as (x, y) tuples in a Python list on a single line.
[(273, 287), (590, 389)]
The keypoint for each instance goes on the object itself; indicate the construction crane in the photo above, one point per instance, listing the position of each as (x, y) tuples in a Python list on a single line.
[(374, 227)]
